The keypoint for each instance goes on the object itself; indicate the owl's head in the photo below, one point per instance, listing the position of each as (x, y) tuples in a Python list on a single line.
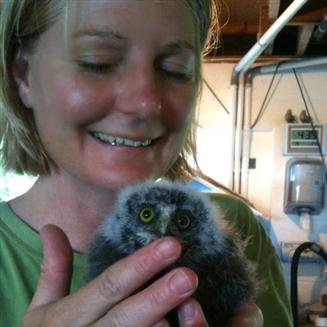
[(151, 210)]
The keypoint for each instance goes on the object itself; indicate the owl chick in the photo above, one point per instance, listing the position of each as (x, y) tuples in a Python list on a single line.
[(151, 210)]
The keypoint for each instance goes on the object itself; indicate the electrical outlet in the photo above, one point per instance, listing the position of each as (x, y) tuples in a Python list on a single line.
[(252, 163), (288, 249)]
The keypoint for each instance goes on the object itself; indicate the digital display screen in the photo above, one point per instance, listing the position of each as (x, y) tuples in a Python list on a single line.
[(298, 134), (304, 138)]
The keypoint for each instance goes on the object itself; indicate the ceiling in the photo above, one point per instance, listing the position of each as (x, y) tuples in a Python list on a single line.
[(244, 21)]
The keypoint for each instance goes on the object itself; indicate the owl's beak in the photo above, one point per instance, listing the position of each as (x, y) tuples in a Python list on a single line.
[(165, 221), (165, 231)]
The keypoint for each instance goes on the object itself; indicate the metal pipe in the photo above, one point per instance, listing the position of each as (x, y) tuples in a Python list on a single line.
[(239, 135), (246, 62), (268, 36), (232, 120), (246, 137), (249, 77), (288, 65)]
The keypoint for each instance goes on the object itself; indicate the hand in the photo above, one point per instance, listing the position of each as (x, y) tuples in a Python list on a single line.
[(190, 314), (248, 315), (111, 298)]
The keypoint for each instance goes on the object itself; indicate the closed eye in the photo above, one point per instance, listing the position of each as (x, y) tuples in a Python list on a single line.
[(176, 70), (176, 75), (176, 63)]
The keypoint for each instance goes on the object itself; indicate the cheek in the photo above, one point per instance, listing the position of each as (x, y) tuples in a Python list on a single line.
[(78, 100), (178, 118), (179, 108)]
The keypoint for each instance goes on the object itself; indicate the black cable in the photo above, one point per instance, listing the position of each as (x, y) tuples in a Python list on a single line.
[(215, 95), (262, 109), (311, 123), (314, 247)]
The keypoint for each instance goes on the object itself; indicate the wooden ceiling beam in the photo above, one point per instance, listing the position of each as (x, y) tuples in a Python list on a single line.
[(305, 33), (273, 9), (240, 28), (236, 59), (263, 20), (273, 15), (311, 18)]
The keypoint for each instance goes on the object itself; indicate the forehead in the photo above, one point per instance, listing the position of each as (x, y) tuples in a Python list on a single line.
[(159, 18)]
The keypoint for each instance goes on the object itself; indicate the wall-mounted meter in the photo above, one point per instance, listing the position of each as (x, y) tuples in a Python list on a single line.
[(300, 139), (304, 186)]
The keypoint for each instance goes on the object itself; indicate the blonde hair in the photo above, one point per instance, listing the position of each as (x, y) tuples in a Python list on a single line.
[(21, 24)]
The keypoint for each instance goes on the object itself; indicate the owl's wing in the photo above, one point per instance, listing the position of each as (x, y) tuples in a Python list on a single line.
[(226, 280)]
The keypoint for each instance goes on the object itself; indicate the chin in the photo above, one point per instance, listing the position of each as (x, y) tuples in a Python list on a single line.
[(119, 179)]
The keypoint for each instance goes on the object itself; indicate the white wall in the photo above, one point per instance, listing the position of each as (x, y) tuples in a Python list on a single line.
[(266, 182)]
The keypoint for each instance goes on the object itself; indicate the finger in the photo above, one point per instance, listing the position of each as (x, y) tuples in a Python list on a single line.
[(248, 315), (56, 269), (154, 302), (190, 314), (118, 282)]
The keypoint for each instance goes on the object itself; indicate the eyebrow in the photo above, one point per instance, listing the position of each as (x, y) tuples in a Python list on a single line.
[(104, 34), (169, 49)]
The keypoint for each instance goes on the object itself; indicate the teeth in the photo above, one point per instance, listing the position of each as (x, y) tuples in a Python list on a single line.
[(146, 142), (116, 140), (119, 141)]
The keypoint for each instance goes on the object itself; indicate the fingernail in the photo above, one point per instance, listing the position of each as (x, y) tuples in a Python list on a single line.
[(186, 312), (180, 283), (166, 249)]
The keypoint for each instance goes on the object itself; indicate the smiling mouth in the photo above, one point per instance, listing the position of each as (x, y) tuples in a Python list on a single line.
[(120, 141)]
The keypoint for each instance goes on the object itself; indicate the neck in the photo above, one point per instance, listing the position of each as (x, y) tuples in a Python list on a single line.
[(77, 209)]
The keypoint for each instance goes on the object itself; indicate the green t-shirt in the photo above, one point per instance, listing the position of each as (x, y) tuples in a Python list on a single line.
[(21, 258)]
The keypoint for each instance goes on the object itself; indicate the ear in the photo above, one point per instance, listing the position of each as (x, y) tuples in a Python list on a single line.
[(20, 69)]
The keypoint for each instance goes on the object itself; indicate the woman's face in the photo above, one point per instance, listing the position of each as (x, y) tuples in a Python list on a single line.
[(111, 85)]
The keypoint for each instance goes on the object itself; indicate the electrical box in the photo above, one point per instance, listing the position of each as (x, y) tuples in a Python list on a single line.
[(304, 186), (300, 139)]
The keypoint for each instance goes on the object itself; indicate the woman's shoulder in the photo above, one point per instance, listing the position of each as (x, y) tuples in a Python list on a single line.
[(235, 211), (260, 250), (240, 217)]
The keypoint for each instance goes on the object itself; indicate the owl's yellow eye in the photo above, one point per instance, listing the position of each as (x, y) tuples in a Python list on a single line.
[(146, 215), (183, 221)]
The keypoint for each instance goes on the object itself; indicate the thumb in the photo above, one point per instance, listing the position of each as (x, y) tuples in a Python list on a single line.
[(56, 269)]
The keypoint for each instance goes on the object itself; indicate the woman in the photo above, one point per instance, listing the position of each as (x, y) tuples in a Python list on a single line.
[(97, 95)]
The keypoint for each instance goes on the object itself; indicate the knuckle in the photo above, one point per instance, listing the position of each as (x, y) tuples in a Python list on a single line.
[(50, 316), (156, 299), (109, 287), (120, 318), (54, 316), (143, 266)]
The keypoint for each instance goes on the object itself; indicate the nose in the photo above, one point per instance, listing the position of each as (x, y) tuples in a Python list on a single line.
[(139, 92)]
